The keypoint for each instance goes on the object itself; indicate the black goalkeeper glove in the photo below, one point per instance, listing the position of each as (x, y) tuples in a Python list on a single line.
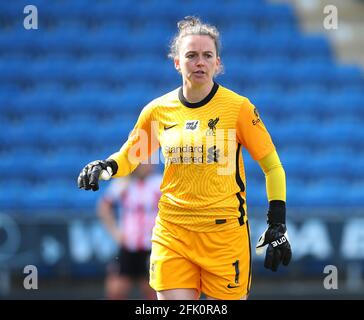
[(90, 174), (276, 237)]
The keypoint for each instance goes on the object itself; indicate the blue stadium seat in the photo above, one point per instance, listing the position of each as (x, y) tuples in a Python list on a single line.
[(256, 193), (294, 133), (13, 70), (270, 71), (347, 75), (99, 69), (346, 103), (330, 164), (73, 10), (35, 103), (322, 193), (295, 193), (23, 161), (283, 13), (341, 133), (12, 9), (20, 136), (79, 199), (252, 169), (48, 197), (55, 68), (276, 43), (103, 40), (72, 91), (354, 194), (293, 162), (303, 102), (114, 10), (313, 45), (11, 198), (309, 73), (82, 102)]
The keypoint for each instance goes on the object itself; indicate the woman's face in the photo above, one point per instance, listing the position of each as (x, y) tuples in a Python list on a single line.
[(197, 60)]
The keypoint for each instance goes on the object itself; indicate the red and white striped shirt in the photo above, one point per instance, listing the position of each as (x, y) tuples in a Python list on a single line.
[(137, 202)]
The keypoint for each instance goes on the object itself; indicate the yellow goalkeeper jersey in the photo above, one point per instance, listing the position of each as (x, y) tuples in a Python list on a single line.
[(203, 186)]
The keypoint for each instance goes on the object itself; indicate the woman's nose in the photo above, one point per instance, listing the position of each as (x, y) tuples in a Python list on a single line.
[(200, 61)]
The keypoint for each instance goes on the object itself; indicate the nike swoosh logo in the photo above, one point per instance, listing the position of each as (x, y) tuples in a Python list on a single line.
[(231, 286), (170, 127)]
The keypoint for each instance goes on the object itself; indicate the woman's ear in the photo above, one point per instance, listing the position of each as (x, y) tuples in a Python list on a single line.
[(218, 64), (176, 64)]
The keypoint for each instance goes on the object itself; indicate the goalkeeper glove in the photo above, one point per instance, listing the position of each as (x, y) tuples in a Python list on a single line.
[(276, 237), (90, 174)]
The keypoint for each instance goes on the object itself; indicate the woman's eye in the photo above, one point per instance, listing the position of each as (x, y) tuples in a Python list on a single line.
[(192, 55)]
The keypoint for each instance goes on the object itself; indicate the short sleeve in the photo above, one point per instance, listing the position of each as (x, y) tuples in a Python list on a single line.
[(252, 133)]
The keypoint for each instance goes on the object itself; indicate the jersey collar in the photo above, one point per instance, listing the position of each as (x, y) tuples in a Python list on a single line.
[(200, 103)]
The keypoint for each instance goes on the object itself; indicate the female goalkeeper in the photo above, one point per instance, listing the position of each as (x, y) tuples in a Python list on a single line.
[(200, 241)]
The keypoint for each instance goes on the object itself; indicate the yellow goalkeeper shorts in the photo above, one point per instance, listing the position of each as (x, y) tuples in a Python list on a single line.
[(217, 264)]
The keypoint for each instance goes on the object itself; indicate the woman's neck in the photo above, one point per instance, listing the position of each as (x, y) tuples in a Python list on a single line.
[(196, 94)]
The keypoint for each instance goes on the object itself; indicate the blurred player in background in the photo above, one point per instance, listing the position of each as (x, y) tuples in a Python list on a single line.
[(128, 209), (201, 241)]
